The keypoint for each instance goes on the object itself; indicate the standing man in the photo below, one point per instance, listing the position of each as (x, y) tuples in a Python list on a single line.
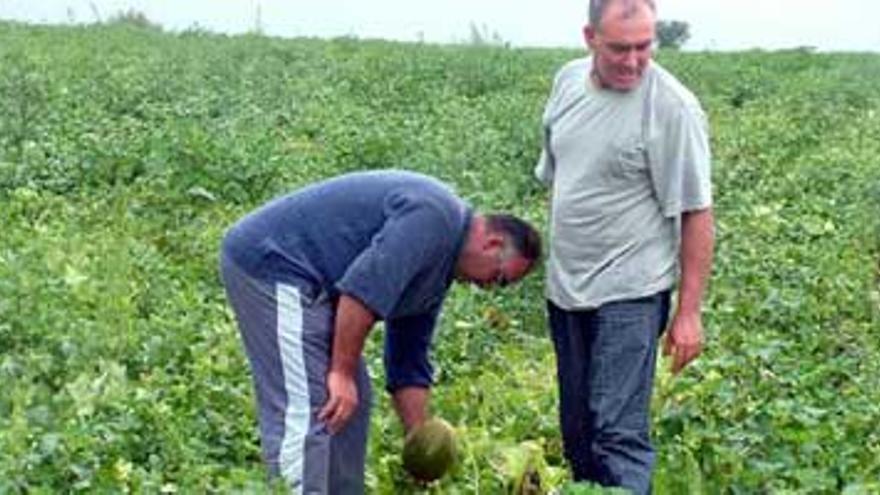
[(626, 153), (309, 274)]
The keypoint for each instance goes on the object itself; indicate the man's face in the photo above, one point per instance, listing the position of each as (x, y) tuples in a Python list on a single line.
[(621, 45)]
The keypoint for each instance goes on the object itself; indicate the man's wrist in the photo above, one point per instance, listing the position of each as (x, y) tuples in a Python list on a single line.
[(690, 311), (345, 367)]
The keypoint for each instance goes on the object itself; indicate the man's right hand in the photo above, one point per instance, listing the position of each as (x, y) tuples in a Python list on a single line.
[(342, 401), (353, 323)]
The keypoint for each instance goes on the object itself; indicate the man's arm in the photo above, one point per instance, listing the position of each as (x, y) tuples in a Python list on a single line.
[(411, 404), (685, 338), (409, 374), (353, 323)]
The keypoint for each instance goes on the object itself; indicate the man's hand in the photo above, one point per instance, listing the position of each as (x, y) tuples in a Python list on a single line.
[(684, 340), (342, 401), (353, 323)]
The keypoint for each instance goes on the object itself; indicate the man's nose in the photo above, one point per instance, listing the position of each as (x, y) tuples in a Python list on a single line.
[(630, 59)]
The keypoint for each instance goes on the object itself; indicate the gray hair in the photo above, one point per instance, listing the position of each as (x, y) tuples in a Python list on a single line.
[(598, 8)]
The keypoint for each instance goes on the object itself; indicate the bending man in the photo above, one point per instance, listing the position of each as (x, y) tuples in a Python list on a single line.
[(309, 274)]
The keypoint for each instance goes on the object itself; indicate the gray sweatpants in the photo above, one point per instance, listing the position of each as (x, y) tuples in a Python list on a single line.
[(287, 330)]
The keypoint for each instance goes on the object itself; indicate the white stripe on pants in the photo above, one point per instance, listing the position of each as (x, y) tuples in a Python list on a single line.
[(286, 329), (296, 418)]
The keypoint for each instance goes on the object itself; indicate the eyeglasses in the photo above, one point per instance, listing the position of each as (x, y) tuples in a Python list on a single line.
[(501, 279)]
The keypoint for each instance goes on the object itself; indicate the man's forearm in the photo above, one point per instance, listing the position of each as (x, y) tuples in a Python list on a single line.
[(411, 404), (352, 325), (697, 248)]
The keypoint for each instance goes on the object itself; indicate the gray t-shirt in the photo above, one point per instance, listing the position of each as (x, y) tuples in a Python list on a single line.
[(622, 166)]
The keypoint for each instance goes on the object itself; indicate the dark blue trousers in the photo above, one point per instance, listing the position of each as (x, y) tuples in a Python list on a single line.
[(605, 369)]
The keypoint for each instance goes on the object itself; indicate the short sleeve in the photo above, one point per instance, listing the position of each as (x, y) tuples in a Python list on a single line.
[(407, 348), (413, 238), (545, 169), (680, 162)]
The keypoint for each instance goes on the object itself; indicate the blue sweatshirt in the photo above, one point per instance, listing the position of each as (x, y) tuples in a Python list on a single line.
[(389, 239)]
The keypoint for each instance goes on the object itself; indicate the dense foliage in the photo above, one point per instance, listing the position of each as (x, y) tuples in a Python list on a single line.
[(672, 34), (124, 153)]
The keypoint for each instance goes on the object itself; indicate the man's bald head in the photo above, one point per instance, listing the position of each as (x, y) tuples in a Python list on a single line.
[(598, 8)]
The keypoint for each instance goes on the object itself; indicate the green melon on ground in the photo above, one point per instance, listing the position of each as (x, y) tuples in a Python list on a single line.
[(429, 450)]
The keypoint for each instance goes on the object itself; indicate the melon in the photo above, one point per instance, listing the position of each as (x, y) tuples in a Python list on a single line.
[(429, 450)]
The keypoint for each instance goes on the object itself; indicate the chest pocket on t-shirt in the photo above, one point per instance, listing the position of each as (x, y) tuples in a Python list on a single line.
[(630, 158)]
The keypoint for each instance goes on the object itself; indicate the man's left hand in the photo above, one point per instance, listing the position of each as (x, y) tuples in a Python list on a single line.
[(684, 340)]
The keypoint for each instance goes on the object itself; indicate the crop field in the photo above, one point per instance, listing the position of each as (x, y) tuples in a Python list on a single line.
[(125, 153)]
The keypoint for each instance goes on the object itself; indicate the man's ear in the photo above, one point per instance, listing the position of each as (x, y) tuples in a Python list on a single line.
[(494, 240), (589, 35)]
